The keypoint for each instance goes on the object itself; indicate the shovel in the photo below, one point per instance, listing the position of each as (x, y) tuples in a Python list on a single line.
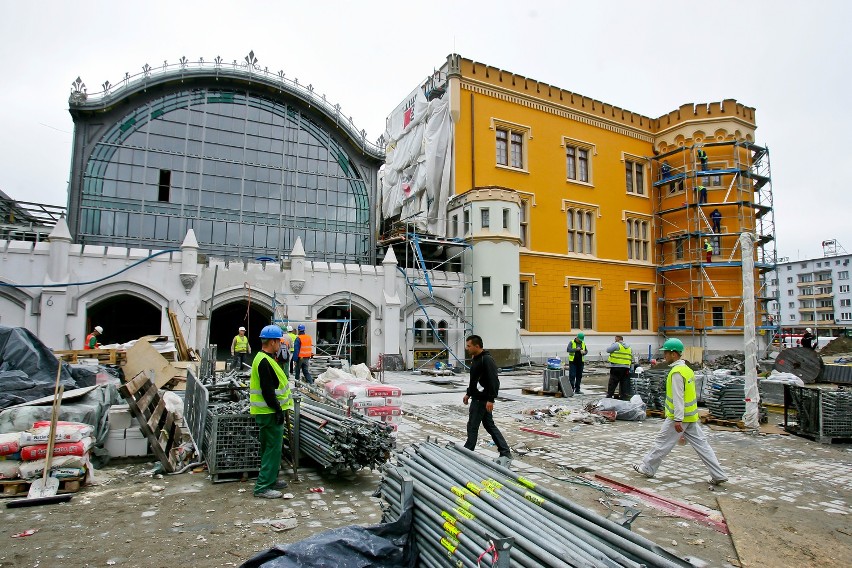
[(48, 486)]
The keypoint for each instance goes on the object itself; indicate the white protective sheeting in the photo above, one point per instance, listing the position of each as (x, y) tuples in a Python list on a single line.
[(415, 179), (752, 395)]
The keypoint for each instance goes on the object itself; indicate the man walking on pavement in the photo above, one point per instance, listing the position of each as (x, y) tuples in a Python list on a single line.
[(483, 372), (304, 350), (576, 351), (92, 339), (240, 348), (681, 418), (620, 360), (269, 396)]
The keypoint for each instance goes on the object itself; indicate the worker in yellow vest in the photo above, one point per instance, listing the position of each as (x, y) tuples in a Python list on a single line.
[(620, 360), (576, 352), (269, 398), (92, 339), (240, 348), (708, 250), (702, 156), (303, 348), (293, 356), (681, 418)]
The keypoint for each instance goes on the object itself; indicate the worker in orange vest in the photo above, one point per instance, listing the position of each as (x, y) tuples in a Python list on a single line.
[(303, 350), (92, 338)]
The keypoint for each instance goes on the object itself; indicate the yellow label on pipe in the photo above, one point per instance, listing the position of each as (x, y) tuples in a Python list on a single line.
[(462, 503), (533, 498), (448, 545), (450, 528), (448, 517), (526, 482), (473, 487), (465, 513)]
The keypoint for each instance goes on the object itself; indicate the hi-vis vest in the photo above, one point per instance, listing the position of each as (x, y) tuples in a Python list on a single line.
[(624, 356), (305, 346), (708, 247), (571, 353), (690, 401), (702, 155), (240, 344), (89, 343), (282, 393)]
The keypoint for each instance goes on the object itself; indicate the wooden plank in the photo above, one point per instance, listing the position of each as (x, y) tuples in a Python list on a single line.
[(180, 342), (143, 357), (133, 385), (151, 394), (157, 415)]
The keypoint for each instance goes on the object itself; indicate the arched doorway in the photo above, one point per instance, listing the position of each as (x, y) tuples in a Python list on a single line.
[(227, 319), (123, 317), (349, 321)]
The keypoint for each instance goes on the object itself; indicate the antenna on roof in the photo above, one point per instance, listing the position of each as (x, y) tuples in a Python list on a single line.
[(831, 247)]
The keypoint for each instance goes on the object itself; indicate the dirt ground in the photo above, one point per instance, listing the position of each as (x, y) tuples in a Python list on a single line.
[(131, 518)]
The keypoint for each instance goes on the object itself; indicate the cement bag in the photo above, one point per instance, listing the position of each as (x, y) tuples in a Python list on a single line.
[(361, 372), (62, 466), (174, 403), (633, 409), (9, 443), (64, 433), (10, 469), (368, 401), (81, 448)]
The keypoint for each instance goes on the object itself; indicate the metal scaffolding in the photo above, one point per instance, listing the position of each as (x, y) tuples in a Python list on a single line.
[(706, 204)]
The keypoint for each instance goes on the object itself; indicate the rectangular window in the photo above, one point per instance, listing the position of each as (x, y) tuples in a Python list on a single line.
[(523, 303), (165, 185), (634, 177), (679, 249), (789, 292), (581, 307), (577, 163), (466, 221), (454, 225), (581, 231), (846, 316), (638, 239), (485, 215), (506, 291), (502, 147), (844, 275), (714, 181), (844, 288), (517, 146), (845, 303), (793, 317), (806, 277), (789, 280), (525, 212), (639, 309), (505, 218), (718, 316), (789, 267), (791, 304), (681, 317), (774, 282), (486, 286)]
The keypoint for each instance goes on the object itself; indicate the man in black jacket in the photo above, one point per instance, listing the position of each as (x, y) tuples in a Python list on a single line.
[(483, 372)]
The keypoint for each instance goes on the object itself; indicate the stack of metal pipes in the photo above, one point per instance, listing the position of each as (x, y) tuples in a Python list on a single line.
[(338, 442), (469, 511)]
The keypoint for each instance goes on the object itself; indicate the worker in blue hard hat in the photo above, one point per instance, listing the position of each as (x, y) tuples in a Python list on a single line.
[(269, 395), (303, 348), (681, 418)]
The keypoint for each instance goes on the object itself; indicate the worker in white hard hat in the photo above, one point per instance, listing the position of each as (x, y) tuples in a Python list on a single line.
[(92, 338), (809, 340), (240, 348)]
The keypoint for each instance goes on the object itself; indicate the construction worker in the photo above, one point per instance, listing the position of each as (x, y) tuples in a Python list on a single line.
[(304, 350), (269, 398), (285, 352), (576, 351), (240, 349), (702, 155), (92, 338), (292, 335), (666, 172), (716, 219), (702, 194), (620, 361), (681, 418), (483, 372), (708, 250), (809, 340)]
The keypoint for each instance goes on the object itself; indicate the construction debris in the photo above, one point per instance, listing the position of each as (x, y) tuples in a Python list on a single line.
[(838, 346)]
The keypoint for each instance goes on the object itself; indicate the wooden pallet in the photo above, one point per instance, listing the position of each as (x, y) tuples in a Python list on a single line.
[(159, 425), (104, 356), (539, 392), (655, 413), (20, 487), (707, 419)]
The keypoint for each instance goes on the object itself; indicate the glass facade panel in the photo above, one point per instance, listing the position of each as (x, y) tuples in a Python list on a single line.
[(247, 173)]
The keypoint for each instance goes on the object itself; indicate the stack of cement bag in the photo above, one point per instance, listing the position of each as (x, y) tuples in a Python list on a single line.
[(23, 454)]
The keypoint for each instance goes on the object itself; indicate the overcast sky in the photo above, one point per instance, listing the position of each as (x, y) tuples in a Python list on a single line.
[(789, 60)]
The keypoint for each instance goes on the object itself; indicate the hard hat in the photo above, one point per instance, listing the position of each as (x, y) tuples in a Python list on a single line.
[(301, 328), (809, 330), (581, 335), (241, 328), (672, 344), (289, 328), (99, 329), (271, 332)]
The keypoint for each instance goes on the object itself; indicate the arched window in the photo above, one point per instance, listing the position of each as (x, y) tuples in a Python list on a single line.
[(442, 330), (430, 332), (419, 331)]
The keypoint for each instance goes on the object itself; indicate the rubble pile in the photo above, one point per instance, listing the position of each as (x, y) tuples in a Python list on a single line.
[(735, 363), (837, 346)]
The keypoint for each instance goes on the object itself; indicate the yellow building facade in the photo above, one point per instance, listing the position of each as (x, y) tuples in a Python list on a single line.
[(613, 220)]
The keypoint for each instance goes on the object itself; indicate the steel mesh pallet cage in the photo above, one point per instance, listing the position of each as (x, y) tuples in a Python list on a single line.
[(820, 412), (231, 443)]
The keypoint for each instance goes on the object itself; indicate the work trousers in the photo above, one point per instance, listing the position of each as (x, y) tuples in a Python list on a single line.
[(575, 374), (271, 440), (478, 414), (302, 367), (619, 377), (668, 438), (240, 358)]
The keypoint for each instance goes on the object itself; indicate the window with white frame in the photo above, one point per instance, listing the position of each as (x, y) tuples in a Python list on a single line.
[(466, 221), (634, 177), (485, 217), (523, 303), (578, 160), (844, 288), (582, 307), (790, 292), (791, 304), (510, 146), (507, 292), (505, 218), (581, 230), (638, 239), (843, 275), (640, 309), (793, 317), (844, 303), (826, 317), (525, 223), (486, 286), (846, 315), (789, 280)]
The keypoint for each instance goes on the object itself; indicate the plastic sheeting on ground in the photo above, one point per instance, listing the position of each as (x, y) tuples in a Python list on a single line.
[(28, 368), (388, 545)]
